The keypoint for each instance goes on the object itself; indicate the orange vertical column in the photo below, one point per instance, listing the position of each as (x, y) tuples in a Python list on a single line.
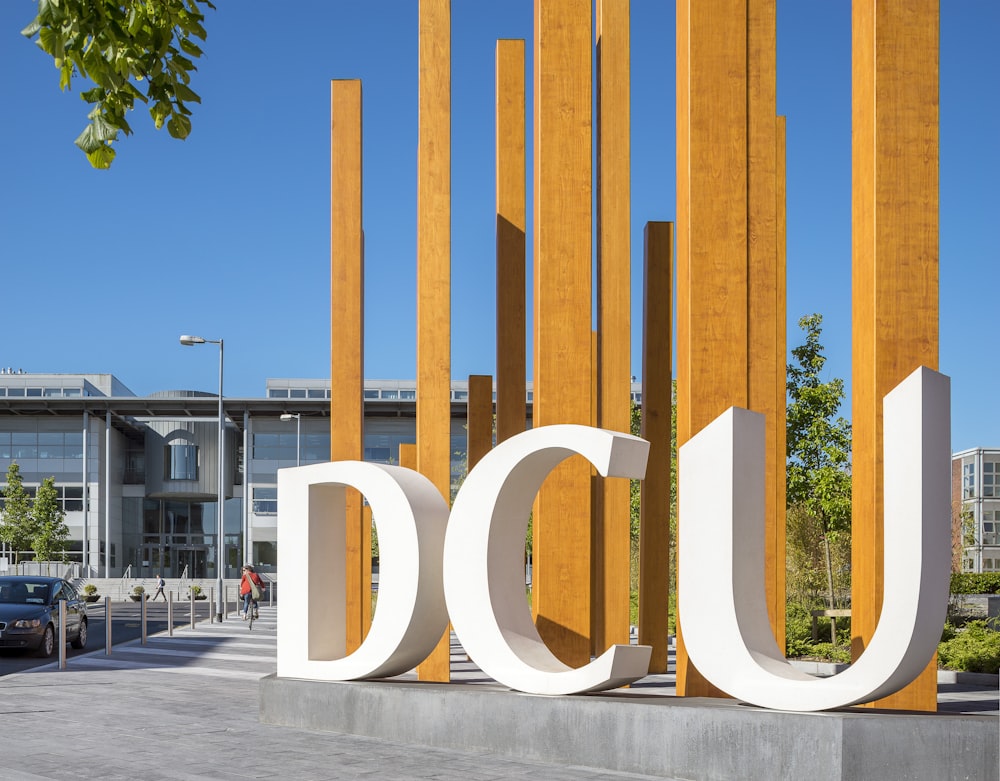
[(434, 270), (895, 268), (347, 335), (614, 328), (654, 525), (480, 418), (765, 309), (562, 299), (775, 544), (408, 455), (511, 212), (712, 359)]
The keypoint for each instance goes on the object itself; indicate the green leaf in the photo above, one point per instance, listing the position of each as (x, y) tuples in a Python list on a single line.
[(32, 29), (94, 95), (190, 48), (159, 111), (184, 92), (102, 157), (179, 126), (87, 141), (65, 74), (104, 130), (51, 42)]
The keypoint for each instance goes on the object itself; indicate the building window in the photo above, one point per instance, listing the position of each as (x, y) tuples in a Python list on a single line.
[(283, 447), (991, 527), (265, 500), (277, 393), (69, 497), (968, 480), (991, 479), (407, 395), (990, 565), (371, 393), (316, 393), (377, 454), (181, 462)]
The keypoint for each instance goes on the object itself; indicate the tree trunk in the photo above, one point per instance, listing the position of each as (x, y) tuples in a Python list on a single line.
[(829, 586)]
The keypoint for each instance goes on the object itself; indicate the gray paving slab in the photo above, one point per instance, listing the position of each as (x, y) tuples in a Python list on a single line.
[(185, 708)]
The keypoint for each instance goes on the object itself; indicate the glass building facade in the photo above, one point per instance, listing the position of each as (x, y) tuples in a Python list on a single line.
[(138, 477)]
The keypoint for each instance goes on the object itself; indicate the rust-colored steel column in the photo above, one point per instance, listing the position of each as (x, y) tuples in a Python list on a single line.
[(563, 63), (434, 271), (895, 268), (730, 304), (766, 318), (614, 325), (347, 337), (712, 360), (511, 213), (654, 507), (479, 419)]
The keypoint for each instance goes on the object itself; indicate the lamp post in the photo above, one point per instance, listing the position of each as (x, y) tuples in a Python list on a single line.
[(298, 432), (220, 531)]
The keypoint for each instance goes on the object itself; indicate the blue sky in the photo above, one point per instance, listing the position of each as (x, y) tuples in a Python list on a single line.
[(227, 233)]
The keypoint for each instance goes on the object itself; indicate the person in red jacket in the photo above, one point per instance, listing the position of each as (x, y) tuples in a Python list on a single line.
[(249, 582)]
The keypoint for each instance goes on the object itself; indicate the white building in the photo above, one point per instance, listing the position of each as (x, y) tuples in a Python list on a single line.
[(975, 480)]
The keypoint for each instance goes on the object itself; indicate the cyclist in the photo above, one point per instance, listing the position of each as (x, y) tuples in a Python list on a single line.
[(250, 582)]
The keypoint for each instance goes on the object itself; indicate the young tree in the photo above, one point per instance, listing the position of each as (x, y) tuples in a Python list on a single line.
[(51, 537), (17, 522), (124, 47), (818, 446)]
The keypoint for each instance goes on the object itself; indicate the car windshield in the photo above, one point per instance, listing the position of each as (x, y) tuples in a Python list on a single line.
[(24, 592)]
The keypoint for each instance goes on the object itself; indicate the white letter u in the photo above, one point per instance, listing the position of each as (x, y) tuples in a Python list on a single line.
[(721, 552)]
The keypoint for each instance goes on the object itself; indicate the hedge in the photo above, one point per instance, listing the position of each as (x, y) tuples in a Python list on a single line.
[(975, 583)]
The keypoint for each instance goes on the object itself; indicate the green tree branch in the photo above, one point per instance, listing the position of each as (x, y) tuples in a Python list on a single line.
[(123, 47)]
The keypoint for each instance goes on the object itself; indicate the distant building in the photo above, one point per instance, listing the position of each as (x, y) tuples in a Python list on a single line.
[(975, 491), (138, 475)]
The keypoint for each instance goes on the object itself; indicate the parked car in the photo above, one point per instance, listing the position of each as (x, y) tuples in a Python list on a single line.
[(29, 613)]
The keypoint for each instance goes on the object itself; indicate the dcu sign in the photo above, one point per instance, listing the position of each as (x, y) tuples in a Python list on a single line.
[(467, 565)]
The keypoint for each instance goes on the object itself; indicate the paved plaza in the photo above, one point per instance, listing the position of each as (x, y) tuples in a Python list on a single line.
[(185, 708)]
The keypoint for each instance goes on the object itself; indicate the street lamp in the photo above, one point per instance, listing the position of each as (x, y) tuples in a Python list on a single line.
[(287, 416), (220, 532)]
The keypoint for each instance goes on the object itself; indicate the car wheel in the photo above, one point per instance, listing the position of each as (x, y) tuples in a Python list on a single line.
[(48, 643), (81, 637)]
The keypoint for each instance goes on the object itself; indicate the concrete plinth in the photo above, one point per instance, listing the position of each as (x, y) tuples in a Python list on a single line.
[(630, 731)]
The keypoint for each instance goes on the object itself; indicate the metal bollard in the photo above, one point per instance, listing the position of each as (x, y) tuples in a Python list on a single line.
[(211, 606), (142, 617), (107, 626), (170, 614), (270, 594), (62, 634), (192, 610)]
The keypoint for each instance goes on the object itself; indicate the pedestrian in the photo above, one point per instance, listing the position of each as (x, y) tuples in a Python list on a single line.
[(160, 583), (251, 587)]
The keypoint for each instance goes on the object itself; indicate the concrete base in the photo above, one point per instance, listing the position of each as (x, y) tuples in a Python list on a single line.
[(629, 731)]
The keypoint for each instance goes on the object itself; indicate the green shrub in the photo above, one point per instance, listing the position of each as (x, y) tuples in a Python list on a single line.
[(90, 589), (975, 583), (796, 648), (833, 653), (975, 649)]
